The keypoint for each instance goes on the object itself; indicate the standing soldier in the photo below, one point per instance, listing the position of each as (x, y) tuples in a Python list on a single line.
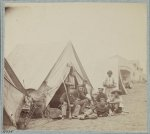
[(109, 84), (69, 97), (71, 80)]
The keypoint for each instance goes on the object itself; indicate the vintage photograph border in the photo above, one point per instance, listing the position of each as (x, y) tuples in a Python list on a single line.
[(2, 23)]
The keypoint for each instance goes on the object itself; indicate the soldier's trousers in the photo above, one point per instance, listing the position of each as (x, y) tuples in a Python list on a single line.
[(78, 107), (75, 109), (90, 114), (83, 104), (108, 92)]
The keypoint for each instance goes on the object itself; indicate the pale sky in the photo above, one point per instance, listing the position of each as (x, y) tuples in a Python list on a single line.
[(97, 30)]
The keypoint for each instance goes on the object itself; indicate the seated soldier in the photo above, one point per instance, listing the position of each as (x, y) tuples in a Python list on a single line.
[(98, 108), (28, 102), (82, 99), (90, 113), (65, 105), (102, 108), (115, 102), (101, 95), (27, 107)]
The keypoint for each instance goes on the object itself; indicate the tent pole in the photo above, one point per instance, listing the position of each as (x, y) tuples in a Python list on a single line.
[(68, 100)]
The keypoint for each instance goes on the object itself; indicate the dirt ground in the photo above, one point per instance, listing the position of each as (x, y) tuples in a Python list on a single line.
[(135, 103)]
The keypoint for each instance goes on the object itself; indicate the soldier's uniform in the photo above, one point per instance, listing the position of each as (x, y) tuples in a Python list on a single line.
[(77, 101), (109, 84)]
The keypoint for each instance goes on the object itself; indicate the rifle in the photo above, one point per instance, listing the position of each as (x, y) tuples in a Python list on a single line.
[(68, 100)]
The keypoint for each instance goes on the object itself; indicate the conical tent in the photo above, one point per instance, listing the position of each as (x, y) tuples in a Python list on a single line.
[(43, 69), (13, 100)]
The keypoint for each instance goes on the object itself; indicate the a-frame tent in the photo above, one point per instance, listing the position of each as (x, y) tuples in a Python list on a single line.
[(43, 69), (55, 78), (12, 101)]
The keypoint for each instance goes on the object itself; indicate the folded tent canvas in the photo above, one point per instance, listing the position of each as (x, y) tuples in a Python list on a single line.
[(41, 67), (13, 100), (13, 77)]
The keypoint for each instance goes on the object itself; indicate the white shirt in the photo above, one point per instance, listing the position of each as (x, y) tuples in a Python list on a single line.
[(70, 80), (118, 99), (109, 81)]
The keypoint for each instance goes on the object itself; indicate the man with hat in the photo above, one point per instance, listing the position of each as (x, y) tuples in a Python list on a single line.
[(109, 84), (116, 102), (101, 95)]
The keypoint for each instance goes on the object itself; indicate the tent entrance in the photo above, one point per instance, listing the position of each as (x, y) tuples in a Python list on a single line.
[(125, 75), (126, 78), (55, 102)]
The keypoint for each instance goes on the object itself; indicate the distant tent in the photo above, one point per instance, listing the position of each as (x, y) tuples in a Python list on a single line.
[(137, 73), (43, 69), (125, 72), (13, 100), (118, 66)]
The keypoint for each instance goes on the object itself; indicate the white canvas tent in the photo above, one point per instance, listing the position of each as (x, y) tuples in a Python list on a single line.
[(125, 69), (13, 100), (41, 67), (137, 73)]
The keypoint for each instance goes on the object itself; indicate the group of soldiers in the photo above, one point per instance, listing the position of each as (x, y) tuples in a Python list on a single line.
[(77, 103)]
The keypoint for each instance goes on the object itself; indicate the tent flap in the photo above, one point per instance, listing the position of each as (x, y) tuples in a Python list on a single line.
[(12, 101)]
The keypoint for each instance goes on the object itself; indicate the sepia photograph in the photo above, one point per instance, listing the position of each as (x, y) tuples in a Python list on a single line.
[(75, 66)]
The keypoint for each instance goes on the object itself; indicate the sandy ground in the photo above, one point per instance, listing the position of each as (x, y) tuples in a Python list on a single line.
[(135, 103)]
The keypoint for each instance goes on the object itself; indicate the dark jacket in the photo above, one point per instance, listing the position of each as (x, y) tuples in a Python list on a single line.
[(72, 98), (101, 95), (64, 98)]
